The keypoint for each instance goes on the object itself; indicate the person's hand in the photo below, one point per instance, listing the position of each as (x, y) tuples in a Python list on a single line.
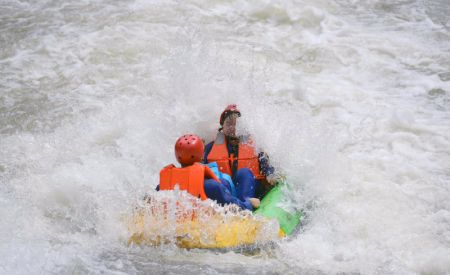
[(255, 202), (272, 179)]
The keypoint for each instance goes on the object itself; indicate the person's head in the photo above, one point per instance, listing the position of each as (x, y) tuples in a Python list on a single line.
[(189, 149), (228, 120)]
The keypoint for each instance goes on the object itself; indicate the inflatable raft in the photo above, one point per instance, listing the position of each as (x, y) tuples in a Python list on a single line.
[(191, 223)]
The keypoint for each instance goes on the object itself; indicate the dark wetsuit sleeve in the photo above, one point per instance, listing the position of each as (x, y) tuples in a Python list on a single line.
[(264, 164), (218, 192), (208, 149)]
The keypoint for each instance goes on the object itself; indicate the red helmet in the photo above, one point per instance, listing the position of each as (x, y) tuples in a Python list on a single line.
[(230, 109), (189, 149)]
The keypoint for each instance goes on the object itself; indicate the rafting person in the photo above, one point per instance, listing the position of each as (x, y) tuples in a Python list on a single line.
[(201, 180), (236, 156)]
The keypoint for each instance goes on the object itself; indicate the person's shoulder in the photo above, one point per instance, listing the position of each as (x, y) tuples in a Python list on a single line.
[(166, 169), (169, 166)]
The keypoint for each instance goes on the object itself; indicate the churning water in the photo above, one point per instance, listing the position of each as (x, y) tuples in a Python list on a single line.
[(350, 98)]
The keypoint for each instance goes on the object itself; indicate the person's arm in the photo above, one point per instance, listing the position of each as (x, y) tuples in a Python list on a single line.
[(264, 164), (266, 169)]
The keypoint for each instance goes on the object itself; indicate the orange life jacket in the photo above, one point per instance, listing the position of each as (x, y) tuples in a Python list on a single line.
[(189, 178), (247, 157)]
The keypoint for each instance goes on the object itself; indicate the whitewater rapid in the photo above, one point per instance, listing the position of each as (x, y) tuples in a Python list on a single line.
[(351, 100)]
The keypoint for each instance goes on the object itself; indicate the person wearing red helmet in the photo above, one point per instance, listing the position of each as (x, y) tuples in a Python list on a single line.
[(236, 156), (198, 179)]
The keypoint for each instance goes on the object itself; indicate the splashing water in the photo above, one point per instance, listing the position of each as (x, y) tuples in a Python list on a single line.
[(174, 217)]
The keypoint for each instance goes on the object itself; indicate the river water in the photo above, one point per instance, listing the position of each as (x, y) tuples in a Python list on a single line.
[(351, 100)]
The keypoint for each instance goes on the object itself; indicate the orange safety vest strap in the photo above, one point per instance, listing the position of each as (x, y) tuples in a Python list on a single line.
[(189, 178)]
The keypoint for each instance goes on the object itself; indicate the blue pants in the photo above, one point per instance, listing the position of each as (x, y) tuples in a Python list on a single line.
[(221, 192)]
